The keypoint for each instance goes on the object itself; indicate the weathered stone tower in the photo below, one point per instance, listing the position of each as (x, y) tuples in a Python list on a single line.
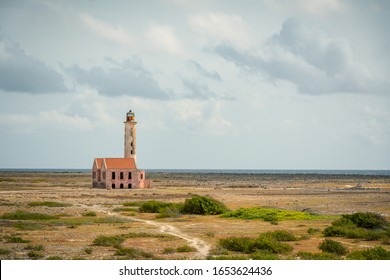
[(130, 136)]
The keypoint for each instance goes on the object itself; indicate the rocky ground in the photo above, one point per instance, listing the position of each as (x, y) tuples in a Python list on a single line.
[(87, 213)]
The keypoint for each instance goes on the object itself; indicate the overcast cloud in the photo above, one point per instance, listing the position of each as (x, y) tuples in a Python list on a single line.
[(214, 84)]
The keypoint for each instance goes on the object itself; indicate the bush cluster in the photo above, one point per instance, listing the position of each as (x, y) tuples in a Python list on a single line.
[(198, 205), (368, 226), (376, 253), (203, 205), (264, 245), (333, 247)]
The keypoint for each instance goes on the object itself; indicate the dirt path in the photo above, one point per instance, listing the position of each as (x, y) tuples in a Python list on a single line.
[(201, 246)]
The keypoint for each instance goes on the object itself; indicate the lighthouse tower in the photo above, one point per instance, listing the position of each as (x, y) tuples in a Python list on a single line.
[(130, 136)]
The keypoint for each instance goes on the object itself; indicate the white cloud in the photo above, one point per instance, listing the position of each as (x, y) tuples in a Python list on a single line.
[(223, 27), (163, 37), (48, 120), (114, 33)]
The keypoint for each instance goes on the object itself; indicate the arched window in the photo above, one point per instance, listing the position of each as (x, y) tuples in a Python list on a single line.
[(129, 186), (121, 186), (113, 186)]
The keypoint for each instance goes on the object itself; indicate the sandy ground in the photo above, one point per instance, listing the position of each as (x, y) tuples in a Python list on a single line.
[(322, 194)]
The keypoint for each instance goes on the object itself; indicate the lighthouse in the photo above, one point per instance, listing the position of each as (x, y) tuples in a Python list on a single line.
[(130, 136)]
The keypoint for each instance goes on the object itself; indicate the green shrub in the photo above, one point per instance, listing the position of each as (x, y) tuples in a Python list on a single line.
[(154, 206), (169, 250), (185, 249), (34, 248), (23, 215), (261, 255), (4, 251), (114, 240), (172, 211), (35, 255), (376, 253), (15, 239), (368, 226), (134, 253), (229, 257), (312, 231), (28, 226), (333, 247), (88, 250), (132, 203), (90, 214), (203, 205), (367, 220), (280, 235), (55, 258), (48, 204), (316, 256), (250, 245)]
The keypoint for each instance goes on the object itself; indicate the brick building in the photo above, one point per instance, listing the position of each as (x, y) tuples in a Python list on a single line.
[(121, 173)]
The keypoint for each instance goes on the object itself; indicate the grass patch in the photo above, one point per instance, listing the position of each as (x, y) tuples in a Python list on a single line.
[(35, 255), (55, 258), (35, 247), (114, 240), (154, 206), (185, 249), (4, 251), (133, 253), (29, 226), (15, 239), (9, 180), (23, 215), (133, 203), (273, 214), (316, 256), (48, 204), (261, 255), (229, 257), (125, 209), (90, 214), (376, 253)]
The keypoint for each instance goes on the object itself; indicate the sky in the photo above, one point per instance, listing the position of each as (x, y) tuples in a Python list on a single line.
[(223, 84)]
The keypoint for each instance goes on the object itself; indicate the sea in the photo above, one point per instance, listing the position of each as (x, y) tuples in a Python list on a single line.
[(219, 171)]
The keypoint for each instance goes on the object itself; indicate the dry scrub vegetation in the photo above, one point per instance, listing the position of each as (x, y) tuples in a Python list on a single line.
[(195, 216)]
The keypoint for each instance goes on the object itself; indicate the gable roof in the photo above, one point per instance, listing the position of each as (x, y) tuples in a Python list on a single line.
[(98, 162), (119, 163)]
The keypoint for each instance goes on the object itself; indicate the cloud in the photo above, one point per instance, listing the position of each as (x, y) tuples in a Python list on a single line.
[(164, 38), (210, 74), (307, 57), (127, 78), (114, 33), (223, 27), (47, 120), (20, 72), (199, 90)]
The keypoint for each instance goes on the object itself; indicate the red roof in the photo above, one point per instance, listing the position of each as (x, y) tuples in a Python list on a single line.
[(119, 163), (98, 162)]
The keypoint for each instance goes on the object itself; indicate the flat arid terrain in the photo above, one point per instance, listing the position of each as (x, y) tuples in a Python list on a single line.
[(59, 216)]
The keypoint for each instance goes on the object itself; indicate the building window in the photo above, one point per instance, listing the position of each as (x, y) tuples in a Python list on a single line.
[(121, 186), (131, 152), (121, 175), (129, 175), (113, 186), (142, 176), (113, 175), (129, 186), (94, 175)]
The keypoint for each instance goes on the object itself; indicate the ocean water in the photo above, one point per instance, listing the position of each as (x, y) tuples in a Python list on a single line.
[(221, 171)]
